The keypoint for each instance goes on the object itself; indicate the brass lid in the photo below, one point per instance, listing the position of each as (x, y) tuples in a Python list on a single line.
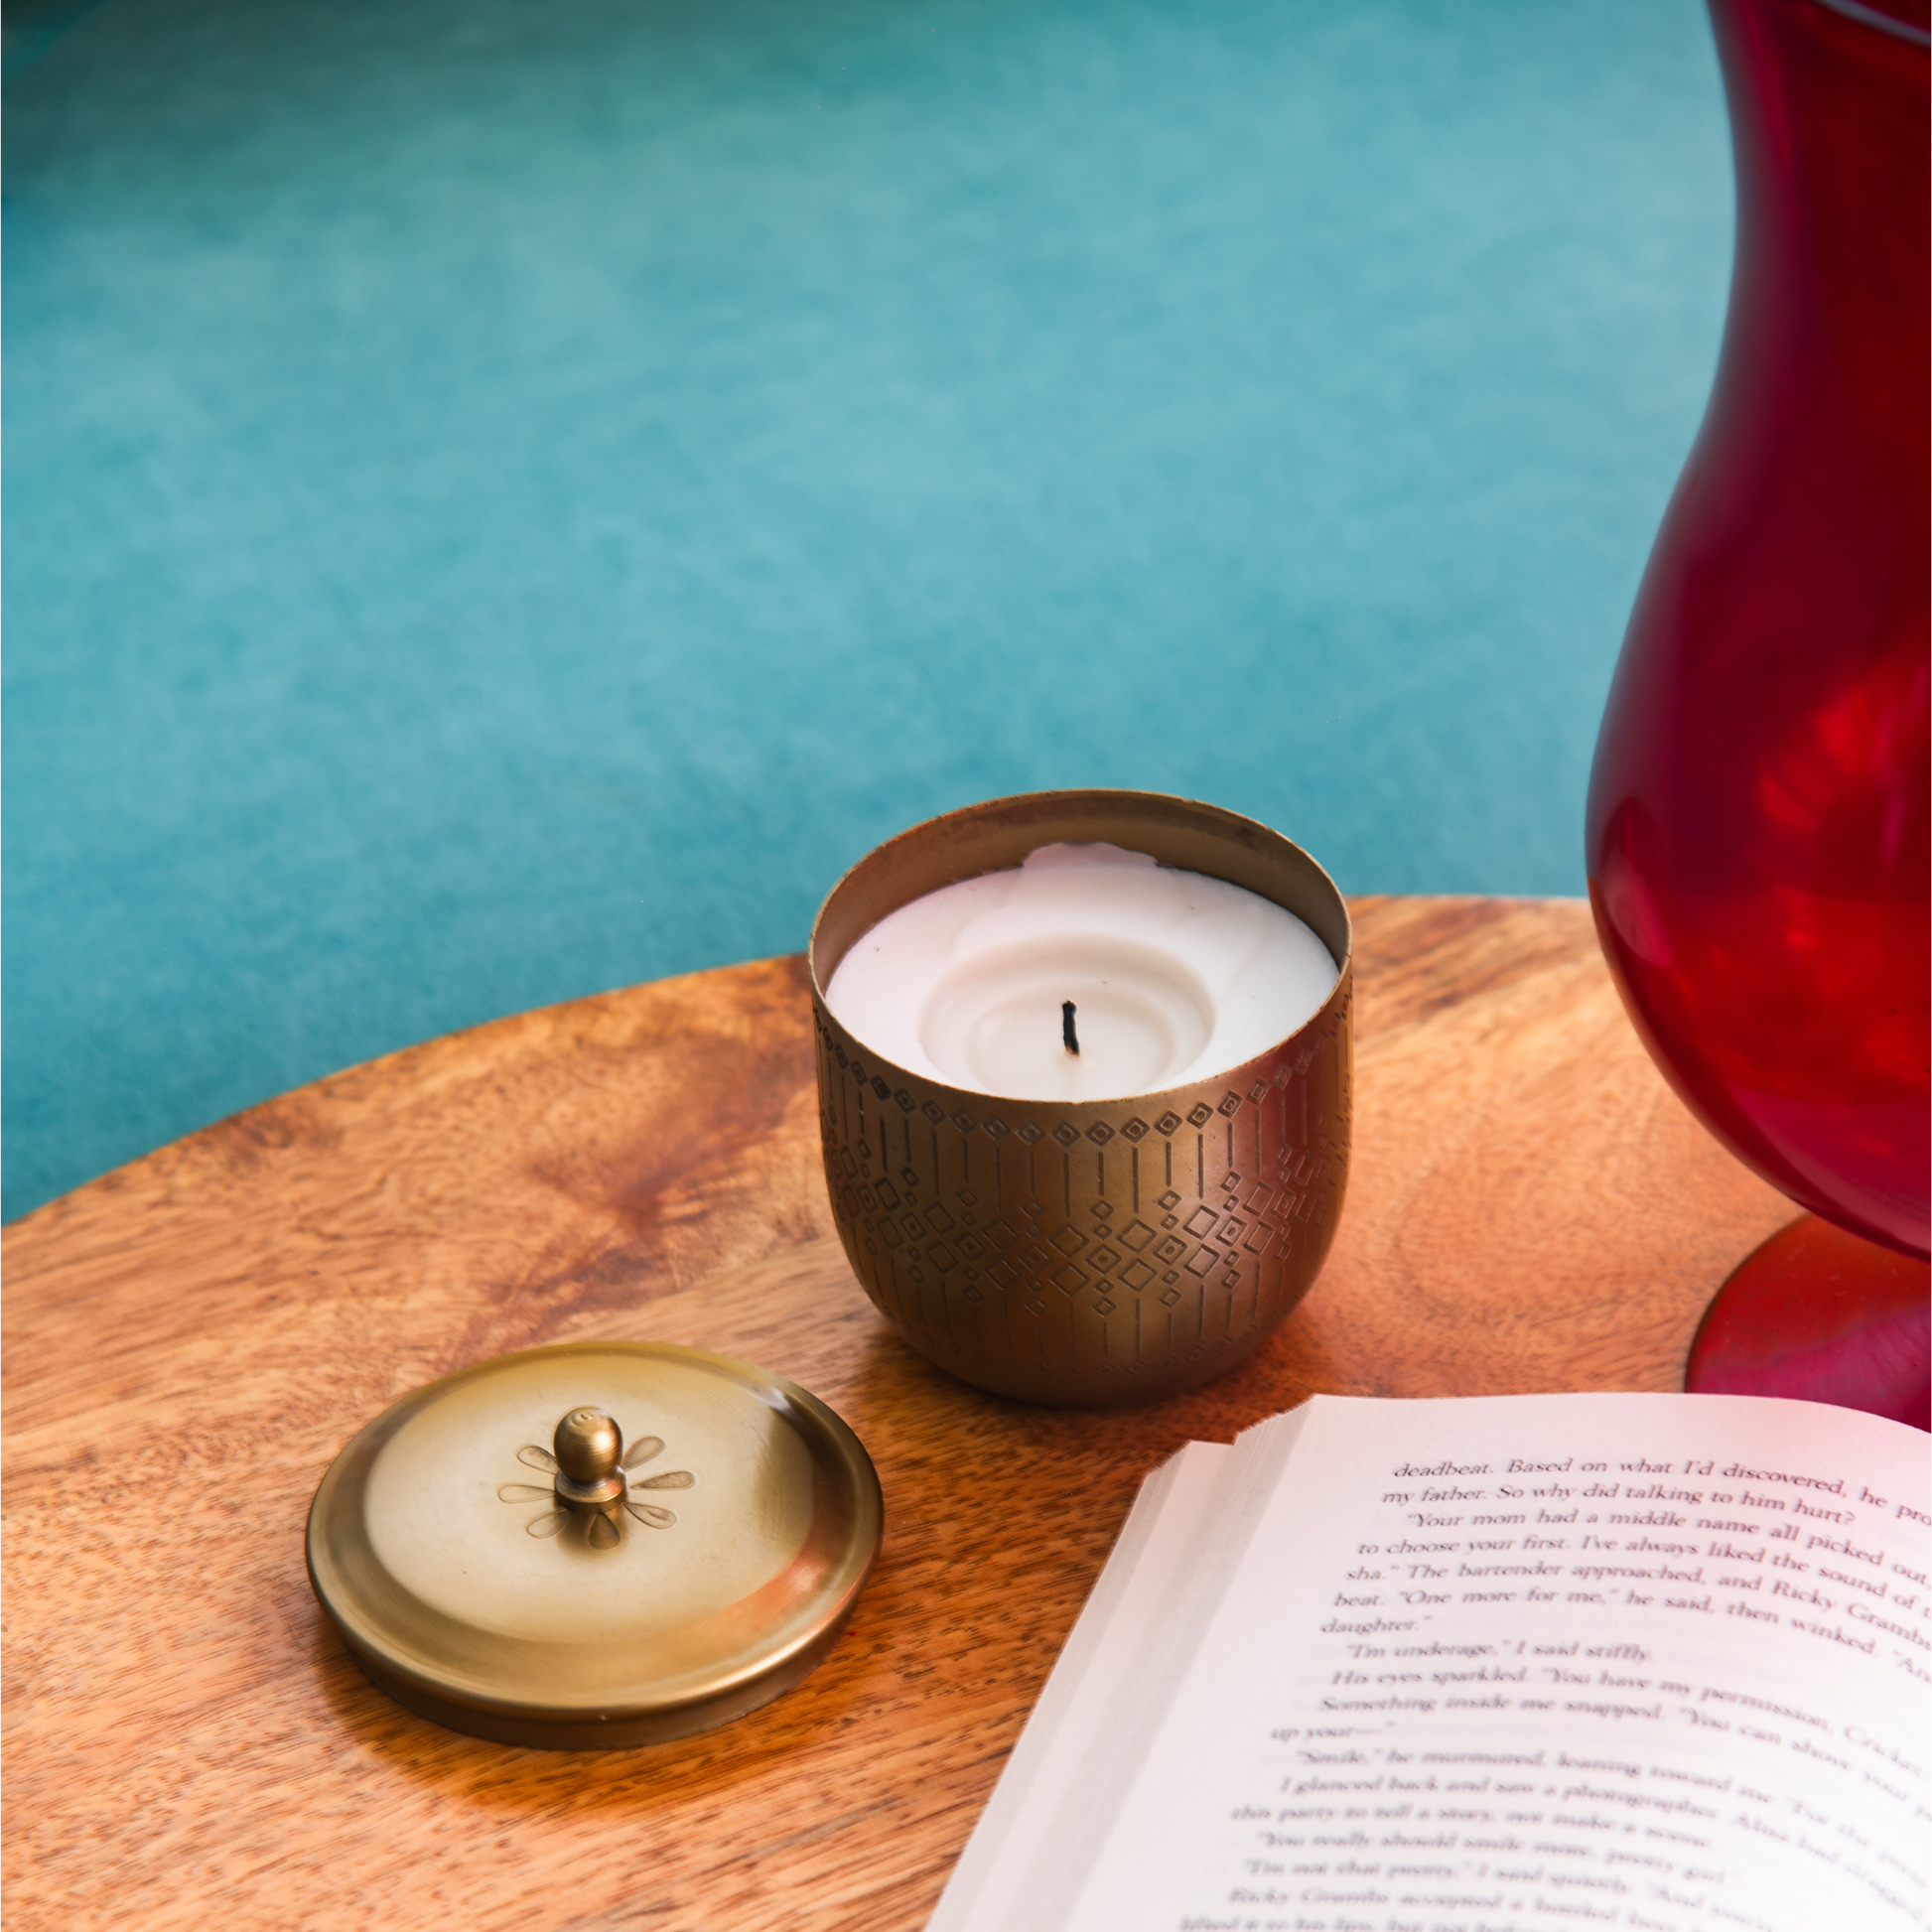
[(601, 1544)]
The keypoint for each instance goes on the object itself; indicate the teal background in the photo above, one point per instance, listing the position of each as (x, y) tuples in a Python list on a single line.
[(509, 499)]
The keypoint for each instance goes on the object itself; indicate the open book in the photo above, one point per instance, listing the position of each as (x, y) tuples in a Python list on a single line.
[(1649, 1661)]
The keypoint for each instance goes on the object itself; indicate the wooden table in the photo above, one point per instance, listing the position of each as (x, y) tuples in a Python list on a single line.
[(193, 1337)]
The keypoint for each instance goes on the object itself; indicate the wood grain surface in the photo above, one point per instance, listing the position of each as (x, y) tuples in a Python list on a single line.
[(192, 1339)]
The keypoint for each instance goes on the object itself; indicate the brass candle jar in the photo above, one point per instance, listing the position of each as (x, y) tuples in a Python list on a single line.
[(1089, 1253)]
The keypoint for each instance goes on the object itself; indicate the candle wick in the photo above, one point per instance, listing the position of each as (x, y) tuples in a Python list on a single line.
[(1068, 1034)]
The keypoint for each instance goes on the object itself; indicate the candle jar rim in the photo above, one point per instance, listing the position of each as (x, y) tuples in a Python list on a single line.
[(998, 834)]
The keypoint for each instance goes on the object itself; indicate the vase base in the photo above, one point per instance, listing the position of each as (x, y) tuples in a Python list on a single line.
[(1825, 1317)]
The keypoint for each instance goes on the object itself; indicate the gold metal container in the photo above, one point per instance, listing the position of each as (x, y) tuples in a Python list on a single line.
[(1104, 1252), (597, 1545)]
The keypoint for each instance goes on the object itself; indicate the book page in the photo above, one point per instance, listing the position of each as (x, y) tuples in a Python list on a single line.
[(1086, 1683), (1539, 1662), (1096, 1731)]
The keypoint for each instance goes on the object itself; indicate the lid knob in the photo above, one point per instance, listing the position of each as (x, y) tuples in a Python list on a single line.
[(587, 1445)]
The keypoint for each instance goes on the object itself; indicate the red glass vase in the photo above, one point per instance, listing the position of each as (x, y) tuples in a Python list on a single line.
[(1758, 825)]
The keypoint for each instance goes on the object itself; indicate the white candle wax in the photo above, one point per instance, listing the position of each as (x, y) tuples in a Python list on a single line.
[(1172, 977)]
